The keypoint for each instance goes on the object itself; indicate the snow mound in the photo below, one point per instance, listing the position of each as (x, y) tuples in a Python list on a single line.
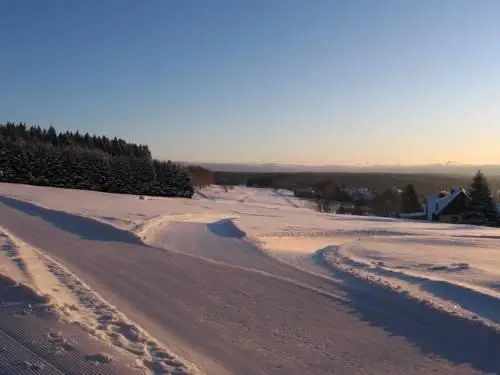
[(13, 292), (226, 228)]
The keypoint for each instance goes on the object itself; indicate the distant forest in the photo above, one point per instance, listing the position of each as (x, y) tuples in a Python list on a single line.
[(45, 157), (425, 184)]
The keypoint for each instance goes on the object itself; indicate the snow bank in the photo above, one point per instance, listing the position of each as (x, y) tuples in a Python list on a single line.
[(457, 275)]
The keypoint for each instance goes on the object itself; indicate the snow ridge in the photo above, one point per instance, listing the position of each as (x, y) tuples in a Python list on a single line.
[(451, 297)]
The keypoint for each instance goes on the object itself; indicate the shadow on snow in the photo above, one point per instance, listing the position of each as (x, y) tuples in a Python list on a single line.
[(86, 228), (459, 340)]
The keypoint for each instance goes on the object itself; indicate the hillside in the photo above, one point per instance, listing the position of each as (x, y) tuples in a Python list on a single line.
[(217, 278)]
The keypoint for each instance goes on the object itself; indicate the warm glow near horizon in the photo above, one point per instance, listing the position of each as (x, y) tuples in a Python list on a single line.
[(294, 82)]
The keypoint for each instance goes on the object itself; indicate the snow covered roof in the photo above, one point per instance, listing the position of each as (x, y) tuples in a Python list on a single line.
[(436, 203)]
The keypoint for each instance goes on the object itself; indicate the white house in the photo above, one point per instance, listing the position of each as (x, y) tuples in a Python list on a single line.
[(446, 206)]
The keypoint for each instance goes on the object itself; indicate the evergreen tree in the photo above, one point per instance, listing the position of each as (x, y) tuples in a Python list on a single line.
[(481, 209), (387, 203), (410, 202), (324, 196)]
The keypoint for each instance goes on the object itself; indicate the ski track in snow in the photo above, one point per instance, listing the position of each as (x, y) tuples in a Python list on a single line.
[(78, 304), (34, 336)]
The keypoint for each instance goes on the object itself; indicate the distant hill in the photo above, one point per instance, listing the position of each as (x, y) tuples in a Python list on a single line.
[(446, 168)]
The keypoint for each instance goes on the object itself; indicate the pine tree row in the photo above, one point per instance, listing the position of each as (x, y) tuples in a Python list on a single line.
[(37, 160), (37, 135)]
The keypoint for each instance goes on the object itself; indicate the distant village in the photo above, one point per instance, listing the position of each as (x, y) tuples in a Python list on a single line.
[(475, 205)]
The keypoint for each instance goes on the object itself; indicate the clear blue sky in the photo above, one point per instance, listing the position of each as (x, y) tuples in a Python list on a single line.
[(295, 81)]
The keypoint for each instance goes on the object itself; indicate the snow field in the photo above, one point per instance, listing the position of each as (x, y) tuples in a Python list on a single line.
[(454, 267)]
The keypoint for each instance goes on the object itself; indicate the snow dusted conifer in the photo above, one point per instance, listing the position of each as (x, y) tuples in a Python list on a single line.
[(481, 209), (410, 203)]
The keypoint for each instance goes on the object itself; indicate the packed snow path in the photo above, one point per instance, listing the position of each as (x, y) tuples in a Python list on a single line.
[(229, 318), (34, 340)]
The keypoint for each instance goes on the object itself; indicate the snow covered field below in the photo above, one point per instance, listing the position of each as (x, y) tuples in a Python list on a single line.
[(454, 267)]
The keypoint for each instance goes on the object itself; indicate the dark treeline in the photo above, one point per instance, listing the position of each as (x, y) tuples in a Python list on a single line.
[(425, 184), (327, 195), (37, 135), (36, 156)]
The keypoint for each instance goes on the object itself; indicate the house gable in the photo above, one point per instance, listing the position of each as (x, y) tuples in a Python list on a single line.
[(451, 204), (456, 206)]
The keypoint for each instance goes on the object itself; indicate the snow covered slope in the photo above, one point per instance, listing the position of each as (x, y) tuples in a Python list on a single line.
[(256, 196), (238, 233), (455, 267)]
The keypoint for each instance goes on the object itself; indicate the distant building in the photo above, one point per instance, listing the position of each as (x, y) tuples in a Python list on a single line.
[(447, 207)]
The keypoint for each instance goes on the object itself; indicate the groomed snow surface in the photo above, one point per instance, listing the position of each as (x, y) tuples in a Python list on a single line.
[(36, 330), (454, 268)]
